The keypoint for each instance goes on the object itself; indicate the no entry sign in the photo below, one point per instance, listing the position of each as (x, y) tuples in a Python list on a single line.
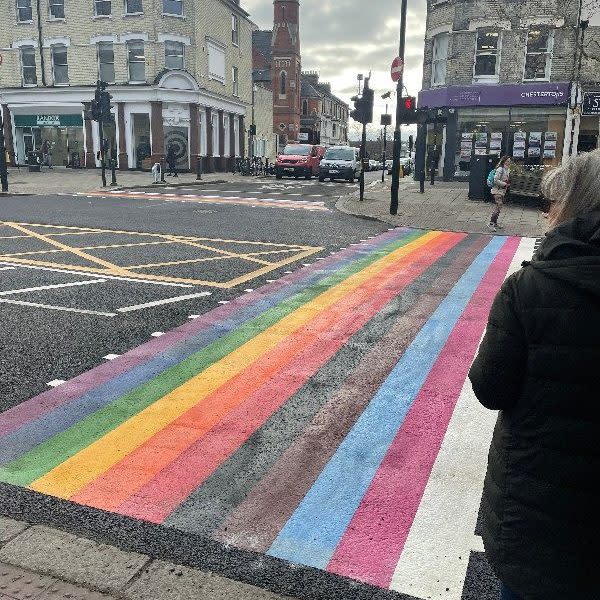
[(397, 68)]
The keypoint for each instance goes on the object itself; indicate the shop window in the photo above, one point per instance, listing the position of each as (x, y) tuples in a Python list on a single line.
[(24, 12), (487, 54), (133, 7), (57, 9), (538, 55), (216, 61), (214, 123), (174, 55), (136, 61), (28, 65), (106, 62), (173, 7), (103, 8), (440, 59), (235, 81), (60, 66), (235, 30)]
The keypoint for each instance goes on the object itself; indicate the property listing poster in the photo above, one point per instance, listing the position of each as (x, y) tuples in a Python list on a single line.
[(550, 140), (466, 145)]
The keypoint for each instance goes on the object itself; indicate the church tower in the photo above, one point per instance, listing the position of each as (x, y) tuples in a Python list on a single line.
[(286, 68)]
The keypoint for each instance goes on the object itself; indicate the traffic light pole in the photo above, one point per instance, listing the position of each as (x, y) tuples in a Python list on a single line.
[(363, 148), (102, 161), (384, 147), (3, 167), (397, 131)]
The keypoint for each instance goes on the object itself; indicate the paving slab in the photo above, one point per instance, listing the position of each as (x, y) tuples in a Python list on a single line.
[(10, 528), (78, 560), (167, 581)]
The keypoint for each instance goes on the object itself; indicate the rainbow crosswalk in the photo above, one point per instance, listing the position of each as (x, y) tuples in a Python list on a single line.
[(301, 421)]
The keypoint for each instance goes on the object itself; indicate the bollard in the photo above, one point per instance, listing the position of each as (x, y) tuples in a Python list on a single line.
[(422, 182), (162, 171), (113, 171), (432, 176), (198, 168)]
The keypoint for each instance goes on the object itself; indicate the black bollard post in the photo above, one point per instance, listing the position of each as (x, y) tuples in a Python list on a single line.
[(198, 168), (422, 182), (432, 176), (113, 170)]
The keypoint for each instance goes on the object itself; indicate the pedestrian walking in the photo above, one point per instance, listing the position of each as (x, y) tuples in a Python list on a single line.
[(172, 161), (499, 189), (46, 154), (538, 365)]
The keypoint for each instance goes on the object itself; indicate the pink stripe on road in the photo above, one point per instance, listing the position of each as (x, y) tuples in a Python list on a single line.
[(45, 402), (371, 547)]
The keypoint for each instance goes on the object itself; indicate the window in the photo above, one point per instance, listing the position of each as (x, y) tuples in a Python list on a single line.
[(440, 58), (106, 62), (136, 60), (282, 83), (216, 62), (235, 30), (28, 65), (133, 7), (173, 7), (59, 65), (486, 54), (174, 55), (57, 9), (538, 57), (235, 80), (305, 107), (103, 8), (24, 13)]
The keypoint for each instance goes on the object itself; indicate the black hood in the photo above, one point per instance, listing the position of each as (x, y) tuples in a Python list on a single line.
[(571, 253)]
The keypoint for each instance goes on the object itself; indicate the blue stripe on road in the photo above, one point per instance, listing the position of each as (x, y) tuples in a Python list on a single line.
[(52, 423), (314, 530)]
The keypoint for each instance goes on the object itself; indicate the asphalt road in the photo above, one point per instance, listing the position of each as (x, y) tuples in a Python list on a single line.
[(313, 309)]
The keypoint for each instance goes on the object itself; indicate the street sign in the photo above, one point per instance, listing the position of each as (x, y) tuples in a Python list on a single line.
[(397, 68), (591, 103)]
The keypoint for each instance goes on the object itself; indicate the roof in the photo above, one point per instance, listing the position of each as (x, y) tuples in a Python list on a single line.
[(308, 90), (311, 88), (261, 41), (259, 75)]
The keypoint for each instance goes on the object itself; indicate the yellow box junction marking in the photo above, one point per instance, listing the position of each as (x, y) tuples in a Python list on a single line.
[(48, 233)]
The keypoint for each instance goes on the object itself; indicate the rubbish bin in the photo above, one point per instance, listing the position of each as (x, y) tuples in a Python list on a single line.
[(481, 165), (34, 161)]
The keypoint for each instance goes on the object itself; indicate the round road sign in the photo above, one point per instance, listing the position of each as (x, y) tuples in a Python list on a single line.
[(397, 68)]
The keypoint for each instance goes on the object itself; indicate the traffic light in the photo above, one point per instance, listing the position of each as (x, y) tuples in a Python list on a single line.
[(357, 114), (363, 106), (105, 113), (408, 109), (100, 105), (252, 129)]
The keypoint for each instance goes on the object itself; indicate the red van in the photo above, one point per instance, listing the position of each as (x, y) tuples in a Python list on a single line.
[(299, 159)]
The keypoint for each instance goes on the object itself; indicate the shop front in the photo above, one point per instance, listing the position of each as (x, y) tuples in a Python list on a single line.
[(525, 121), (61, 134), (589, 126)]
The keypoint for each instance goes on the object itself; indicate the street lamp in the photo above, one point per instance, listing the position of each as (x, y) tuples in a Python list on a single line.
[(384, 120)]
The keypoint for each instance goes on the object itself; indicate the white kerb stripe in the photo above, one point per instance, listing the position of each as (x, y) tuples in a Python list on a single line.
[(52, 287), (436, 553), (61, 308), (164, 301)]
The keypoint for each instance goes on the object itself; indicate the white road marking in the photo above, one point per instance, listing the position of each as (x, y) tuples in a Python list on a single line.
[(111, 356), (83, 274), (193, 316), (271, 280), (157, 333), (61, 308), (52, 287), (288, 272), (223, 301), (434, 560), (56, 382), (6, 268), (315, 195), (163, 301), (249, 290)]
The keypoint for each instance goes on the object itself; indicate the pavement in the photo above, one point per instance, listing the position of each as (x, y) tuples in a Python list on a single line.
[(251, 448), (444, 206)]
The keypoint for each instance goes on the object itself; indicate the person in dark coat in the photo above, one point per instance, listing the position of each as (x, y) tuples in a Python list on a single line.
[(539, 365), (172, 161)]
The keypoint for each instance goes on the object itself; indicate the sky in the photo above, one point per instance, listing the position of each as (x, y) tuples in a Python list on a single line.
[(341, 38)]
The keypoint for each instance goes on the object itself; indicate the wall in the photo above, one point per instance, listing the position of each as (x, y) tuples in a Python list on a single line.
[(263, 118)]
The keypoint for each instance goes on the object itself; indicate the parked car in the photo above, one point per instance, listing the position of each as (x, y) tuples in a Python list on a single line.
[(340, 162), (372, 165), (407, 165), (299, 160)]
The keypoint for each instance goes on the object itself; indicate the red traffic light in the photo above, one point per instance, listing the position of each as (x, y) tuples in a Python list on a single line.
[(409, 103)]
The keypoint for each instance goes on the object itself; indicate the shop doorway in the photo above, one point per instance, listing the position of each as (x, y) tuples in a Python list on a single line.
[(587, 142)]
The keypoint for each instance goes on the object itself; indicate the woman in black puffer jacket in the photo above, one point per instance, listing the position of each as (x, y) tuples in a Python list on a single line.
[(539, 365)]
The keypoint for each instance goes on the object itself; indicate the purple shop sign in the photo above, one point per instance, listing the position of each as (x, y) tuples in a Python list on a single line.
[(554, 94)]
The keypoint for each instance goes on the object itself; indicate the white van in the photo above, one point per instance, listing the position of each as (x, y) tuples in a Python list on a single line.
[(340, 162)]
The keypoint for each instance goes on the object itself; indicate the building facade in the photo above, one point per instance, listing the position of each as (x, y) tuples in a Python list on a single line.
[(501, 78), (324, 117), (179, 72)]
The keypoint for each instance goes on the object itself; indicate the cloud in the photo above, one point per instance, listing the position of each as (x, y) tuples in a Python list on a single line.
[(340, 38)]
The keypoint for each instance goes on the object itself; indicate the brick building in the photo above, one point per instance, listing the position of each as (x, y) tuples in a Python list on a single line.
[(324, 117), (500, 77), (179, 72)]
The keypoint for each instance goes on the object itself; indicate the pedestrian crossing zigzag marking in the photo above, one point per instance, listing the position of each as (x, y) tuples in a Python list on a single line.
[(284, 471), (39, 431), (316, 527), (153, 354), (270, 380), (80, 469), (365, 551), (110, 411)]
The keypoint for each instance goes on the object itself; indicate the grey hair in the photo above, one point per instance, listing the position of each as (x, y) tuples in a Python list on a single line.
[(574, 187)]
